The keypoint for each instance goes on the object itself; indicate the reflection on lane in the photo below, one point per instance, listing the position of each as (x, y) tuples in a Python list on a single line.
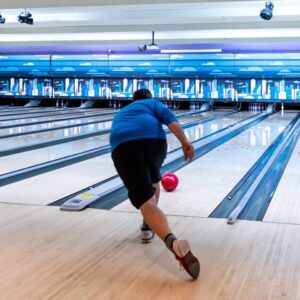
[(22, 160), (201, 130), (14, 142), (45, 126)]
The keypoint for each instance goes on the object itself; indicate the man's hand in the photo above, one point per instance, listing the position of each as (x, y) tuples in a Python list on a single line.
[(188, 151)]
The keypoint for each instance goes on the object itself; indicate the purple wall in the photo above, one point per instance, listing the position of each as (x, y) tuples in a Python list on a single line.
[(128, 49)]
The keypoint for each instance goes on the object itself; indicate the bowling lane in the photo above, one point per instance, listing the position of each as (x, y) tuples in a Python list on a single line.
[(15, 112), (205, 182), (284, 207), (18, 109), (54, 124), (22, 109), (75, 115), (207, 114), (29, 158), (54, 185), (46, 113), (60, 114), (57, 118), (29, 109), (201, 130), (35, 138), (11, 143), (26, 159)]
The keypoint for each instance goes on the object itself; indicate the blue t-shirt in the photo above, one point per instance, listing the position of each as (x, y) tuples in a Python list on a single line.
[(141, 119)]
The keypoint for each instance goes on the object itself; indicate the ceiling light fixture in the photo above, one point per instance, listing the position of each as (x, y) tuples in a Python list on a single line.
[(267, 12), (25, 17), (2, 20), (170, 51)]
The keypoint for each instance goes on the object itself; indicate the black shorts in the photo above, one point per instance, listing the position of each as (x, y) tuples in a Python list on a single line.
[(138, 163)]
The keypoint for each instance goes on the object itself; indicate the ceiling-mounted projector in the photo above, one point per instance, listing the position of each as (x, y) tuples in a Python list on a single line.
[(267, 12), (151, 46)]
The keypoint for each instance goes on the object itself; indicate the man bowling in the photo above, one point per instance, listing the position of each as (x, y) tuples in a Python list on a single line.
[(139, 147)]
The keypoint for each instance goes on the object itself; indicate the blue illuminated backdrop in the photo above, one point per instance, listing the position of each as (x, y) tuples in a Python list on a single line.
[(168, 76)]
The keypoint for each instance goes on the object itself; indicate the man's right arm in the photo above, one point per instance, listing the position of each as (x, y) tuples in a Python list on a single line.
[(187, 147)]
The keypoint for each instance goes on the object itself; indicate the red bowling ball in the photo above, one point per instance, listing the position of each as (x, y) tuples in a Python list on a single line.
[(169, 182)]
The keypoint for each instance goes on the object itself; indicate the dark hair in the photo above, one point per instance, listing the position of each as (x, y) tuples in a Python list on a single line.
[(141, 94)]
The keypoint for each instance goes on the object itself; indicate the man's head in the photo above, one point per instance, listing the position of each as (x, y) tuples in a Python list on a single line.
[(141, 94)]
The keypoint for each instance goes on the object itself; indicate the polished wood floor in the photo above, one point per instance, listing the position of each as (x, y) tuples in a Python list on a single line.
[(95, 254)]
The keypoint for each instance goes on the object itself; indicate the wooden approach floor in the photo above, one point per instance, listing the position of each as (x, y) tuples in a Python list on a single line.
[(96, 254)]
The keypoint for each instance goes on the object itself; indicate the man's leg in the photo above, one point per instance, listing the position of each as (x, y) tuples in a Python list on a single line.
[(156, 186), (157, 190), (157, 220), (128, 159)]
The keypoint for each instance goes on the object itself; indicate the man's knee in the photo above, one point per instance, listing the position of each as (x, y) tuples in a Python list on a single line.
[(149, 204)]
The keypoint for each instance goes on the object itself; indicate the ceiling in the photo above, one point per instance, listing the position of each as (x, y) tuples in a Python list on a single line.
[(120, 24)]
